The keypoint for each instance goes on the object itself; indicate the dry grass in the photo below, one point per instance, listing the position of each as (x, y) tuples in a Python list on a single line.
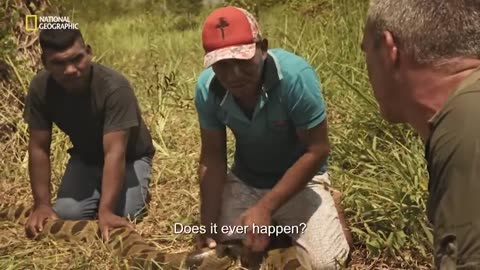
[(378, 167)]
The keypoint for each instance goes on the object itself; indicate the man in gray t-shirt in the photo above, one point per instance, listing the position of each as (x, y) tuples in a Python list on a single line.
[(109, 169)]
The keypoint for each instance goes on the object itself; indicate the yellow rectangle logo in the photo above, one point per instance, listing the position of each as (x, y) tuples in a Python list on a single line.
[(31, 23)]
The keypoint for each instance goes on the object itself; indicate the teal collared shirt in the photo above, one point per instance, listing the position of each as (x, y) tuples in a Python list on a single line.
[(267, 145)]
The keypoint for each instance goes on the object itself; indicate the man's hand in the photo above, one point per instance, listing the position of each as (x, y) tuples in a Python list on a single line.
[(203, 241), (37, 219), (109, 220), (114, 146), (260, 216)]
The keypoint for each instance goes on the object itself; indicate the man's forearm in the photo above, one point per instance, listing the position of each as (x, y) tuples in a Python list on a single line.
[(112, 181), (212, 179), (293, 181), (39, 172)]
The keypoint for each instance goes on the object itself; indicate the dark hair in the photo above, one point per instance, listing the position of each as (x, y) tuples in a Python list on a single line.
[(58, 39)]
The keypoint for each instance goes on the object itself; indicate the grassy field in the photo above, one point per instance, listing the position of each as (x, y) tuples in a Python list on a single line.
[(379, 167)]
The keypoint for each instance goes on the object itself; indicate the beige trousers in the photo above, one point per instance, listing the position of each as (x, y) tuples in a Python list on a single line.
[(323, 238)]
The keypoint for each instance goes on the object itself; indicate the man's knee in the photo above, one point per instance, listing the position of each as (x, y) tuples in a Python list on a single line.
[(337, 199), (335, 261), (332, 251), (70, 209), (135, 208), (136, 195)]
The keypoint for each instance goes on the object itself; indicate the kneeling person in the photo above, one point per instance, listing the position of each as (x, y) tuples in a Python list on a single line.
[(110, 163), (272, 102)]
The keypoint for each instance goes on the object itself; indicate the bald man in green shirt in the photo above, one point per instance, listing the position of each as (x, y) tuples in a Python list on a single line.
[(428, 75)]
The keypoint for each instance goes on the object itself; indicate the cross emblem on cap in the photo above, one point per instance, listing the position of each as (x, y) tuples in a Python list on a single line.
[(222, 24)]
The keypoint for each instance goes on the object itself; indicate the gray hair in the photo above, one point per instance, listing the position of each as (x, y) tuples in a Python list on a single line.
[(430, 31)]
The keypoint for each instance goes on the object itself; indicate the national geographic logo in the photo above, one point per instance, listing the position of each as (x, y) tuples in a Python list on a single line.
[(35, 23)]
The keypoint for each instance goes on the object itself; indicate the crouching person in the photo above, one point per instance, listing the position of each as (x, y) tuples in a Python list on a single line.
[(108, 172), (271, 100)]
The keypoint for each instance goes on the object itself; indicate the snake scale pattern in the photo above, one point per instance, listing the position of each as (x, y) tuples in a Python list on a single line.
[(129, 244)]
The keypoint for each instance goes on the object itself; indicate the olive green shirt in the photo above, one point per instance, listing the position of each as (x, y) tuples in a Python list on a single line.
[(453, 160)]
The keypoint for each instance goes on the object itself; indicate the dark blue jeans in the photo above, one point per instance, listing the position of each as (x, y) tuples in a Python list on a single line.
[(80, 190)]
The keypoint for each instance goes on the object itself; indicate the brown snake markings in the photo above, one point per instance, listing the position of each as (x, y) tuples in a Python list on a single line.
[(141, 254)]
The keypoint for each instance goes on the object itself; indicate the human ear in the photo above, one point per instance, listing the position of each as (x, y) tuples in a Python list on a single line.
[(391, 47)]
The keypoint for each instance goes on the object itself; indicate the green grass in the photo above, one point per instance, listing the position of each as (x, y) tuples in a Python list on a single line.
[(379, 167)]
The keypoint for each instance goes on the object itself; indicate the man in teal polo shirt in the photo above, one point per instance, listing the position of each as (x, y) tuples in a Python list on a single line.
[(271, 101)]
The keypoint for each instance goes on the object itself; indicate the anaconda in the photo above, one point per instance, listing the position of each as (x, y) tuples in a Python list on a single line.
[(129, 244)]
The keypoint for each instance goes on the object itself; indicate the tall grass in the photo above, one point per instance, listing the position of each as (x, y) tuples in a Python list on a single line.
[(379, 167)]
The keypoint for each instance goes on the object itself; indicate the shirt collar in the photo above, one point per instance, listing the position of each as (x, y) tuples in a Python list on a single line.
[(471, 78)]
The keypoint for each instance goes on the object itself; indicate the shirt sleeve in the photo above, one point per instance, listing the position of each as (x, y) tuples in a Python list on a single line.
[(453, 160), (206, 109), (305, 101), (121, 109), (35, 112)]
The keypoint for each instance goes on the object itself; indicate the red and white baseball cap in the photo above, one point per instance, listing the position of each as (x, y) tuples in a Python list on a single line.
[(229, 33)]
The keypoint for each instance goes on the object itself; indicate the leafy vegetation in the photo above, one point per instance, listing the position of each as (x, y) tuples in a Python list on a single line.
[(379, 167)]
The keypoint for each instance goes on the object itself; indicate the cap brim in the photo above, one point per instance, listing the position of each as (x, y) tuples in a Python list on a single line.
[(243, 52)]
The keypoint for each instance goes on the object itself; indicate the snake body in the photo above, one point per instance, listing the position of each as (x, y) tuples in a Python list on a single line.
[(129, 244)]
